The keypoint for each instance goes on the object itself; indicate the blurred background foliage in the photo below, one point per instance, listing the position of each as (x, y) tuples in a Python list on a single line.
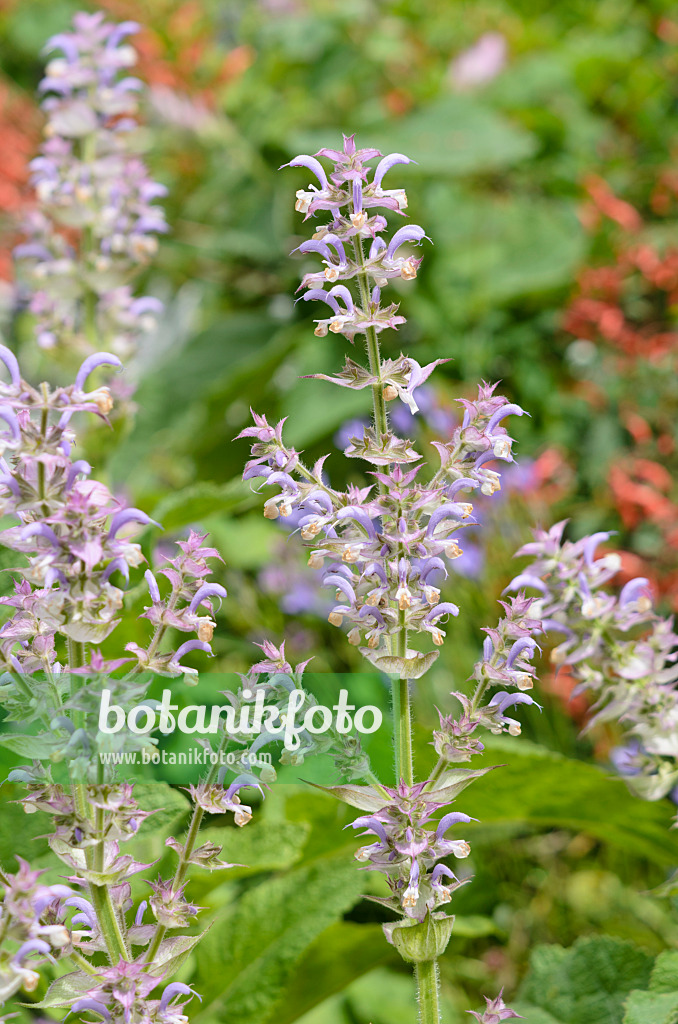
[(544, 179)]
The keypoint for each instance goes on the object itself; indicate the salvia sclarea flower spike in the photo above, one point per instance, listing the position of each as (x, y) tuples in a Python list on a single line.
[(408, 848), (96, 221), (74, 536), (31, 915), (383, 547), (616, 646)]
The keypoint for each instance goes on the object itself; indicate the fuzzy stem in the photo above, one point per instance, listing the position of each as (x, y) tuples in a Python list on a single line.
[(372, 343), (82, 962), (399, 687), (110, 925), (180, 873), (186, 853), (428, 992)]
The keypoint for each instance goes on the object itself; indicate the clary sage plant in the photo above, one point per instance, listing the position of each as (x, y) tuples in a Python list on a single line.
[(384, 550)]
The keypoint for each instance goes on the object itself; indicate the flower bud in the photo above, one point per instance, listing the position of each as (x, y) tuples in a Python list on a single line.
[(420, 942), (390, 393)]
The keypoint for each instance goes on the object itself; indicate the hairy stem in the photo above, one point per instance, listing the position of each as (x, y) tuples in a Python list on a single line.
[(372, 343), (187, 852), (428, 994), (109, 923)]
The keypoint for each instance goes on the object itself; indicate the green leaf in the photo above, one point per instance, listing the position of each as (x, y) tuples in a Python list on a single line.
[(173, 952), (343, 952), (651, 1008), (454, 136), (384, 997), (194, 504), (65, 990), (38, 747), (495, 250), (169, 807), (266, 933), (262, 846), (21, 834), (586, 984), (665, 972), (546, 790)]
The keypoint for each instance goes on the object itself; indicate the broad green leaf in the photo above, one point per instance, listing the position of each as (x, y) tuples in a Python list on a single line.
[(665, 972), (38, 747), (493, 250), (586, 984), (65, 990), (21, 834), (169, 807), (264, 936), (261, 846), (546, 790), (194, 504), (343, 952), (454, 136), (384, 997), (651, 1008)]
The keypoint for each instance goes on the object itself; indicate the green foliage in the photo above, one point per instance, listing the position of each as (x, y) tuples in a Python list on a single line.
[(546, 790), (263, 937), (586, 984)]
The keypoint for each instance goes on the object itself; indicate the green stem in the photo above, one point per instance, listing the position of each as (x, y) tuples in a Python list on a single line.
[(179, 877), (186, 853), (372, 343), (428, 994), (402, 723), (109, 923), (82, 963)]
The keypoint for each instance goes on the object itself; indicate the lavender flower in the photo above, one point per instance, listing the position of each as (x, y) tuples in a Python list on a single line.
[(97, 220), (384, 547), (618, 648), (408, 853), (495, 1011)]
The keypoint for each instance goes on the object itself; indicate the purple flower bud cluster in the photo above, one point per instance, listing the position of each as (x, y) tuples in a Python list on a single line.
[(121, 993), (182, 608), (616, 646), (32, 916), (69, 526), (495, 1011), (97, 221), (73, 536), (382, 548), (409, 850), (507, 651)]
